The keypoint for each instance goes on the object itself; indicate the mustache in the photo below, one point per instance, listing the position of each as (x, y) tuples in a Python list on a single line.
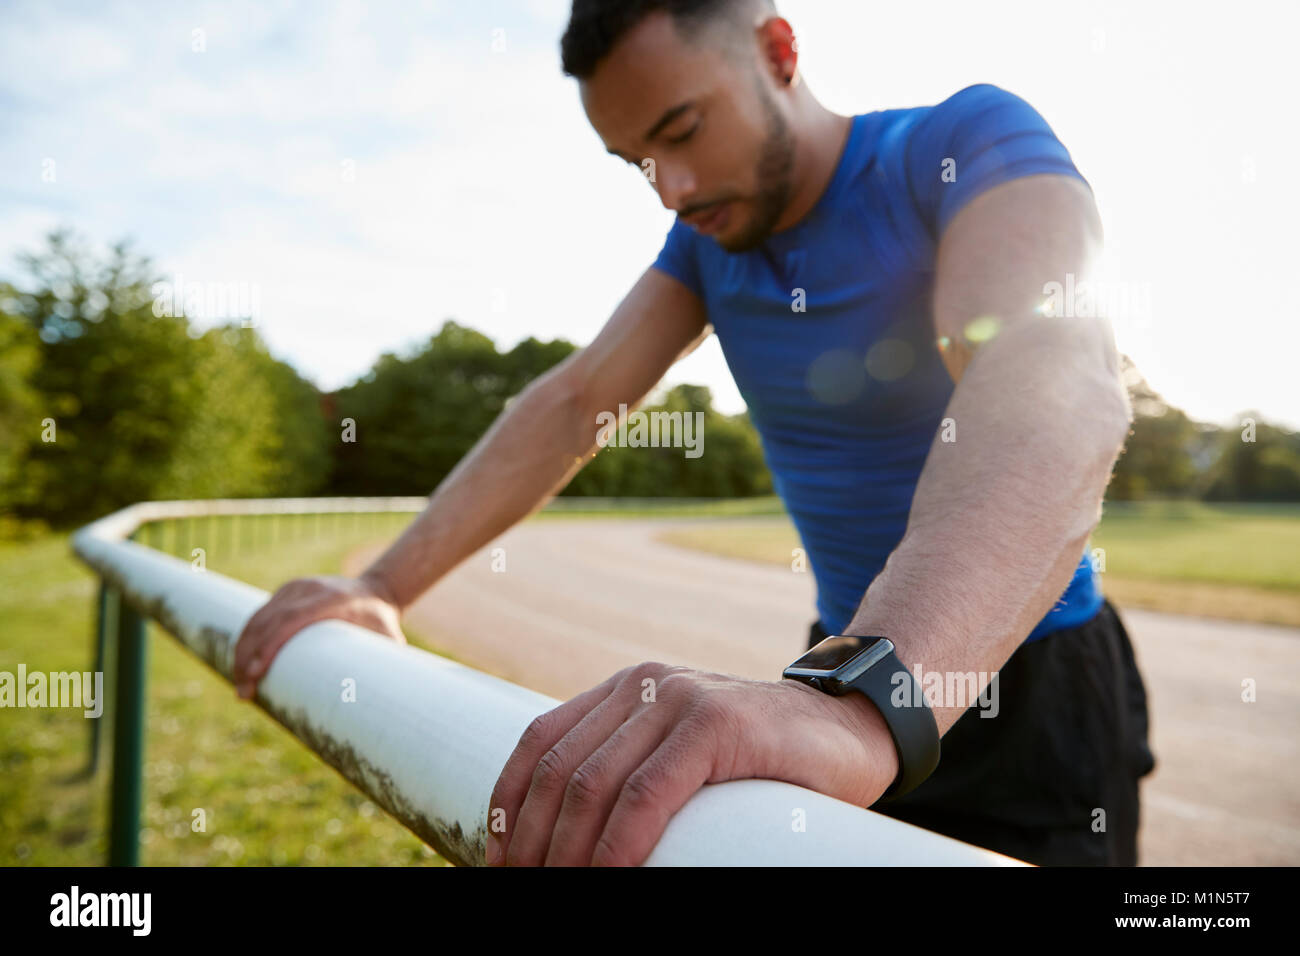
[(691, 210)]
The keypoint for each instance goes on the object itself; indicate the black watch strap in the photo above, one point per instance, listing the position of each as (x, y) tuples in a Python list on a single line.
[(911, 723)]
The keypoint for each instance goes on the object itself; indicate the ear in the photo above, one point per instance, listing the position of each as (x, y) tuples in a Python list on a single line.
[(780, 50)]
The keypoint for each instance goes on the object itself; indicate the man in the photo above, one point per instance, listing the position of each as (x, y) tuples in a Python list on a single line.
[(877, 284)]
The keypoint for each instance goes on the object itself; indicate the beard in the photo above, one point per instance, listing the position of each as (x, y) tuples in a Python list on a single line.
[(773, 175)]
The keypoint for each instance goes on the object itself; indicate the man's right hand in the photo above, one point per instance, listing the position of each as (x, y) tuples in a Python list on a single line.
[(302, 602)]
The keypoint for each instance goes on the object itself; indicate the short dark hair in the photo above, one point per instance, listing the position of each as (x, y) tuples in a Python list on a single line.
[(596, 25)]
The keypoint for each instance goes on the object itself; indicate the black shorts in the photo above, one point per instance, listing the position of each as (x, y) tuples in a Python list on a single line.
[(1053, 778)]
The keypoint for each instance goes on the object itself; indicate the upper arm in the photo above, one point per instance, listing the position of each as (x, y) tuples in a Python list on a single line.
[(659, 321), (999, 255), (1008, 211)]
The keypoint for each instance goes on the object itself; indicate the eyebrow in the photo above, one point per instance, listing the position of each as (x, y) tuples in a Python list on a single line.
[(669, 115), (667, 118)]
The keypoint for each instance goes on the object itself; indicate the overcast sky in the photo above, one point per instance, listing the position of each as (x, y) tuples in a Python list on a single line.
[(371, 169)]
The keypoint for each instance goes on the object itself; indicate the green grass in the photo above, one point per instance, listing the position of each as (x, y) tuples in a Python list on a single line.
[(1233, 561), (267, 798), (1253, 545)]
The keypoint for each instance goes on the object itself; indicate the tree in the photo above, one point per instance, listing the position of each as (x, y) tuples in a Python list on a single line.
[(729, 464), (417, 415), (145, 406), (19, 400), (1159, 457), (1257, 462)]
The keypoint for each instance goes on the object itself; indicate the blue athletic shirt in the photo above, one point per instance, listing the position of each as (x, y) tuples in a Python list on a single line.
[(848, 393)]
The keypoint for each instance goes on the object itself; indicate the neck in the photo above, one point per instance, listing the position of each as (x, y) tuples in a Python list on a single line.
[(820, 137)]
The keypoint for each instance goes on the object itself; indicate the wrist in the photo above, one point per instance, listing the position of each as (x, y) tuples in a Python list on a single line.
[(875, 764), (375, 583), (867, 721)]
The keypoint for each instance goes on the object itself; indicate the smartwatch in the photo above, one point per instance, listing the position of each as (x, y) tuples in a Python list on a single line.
[(844, 663)]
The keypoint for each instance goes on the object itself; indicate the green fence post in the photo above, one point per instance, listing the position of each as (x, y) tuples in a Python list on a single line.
[(128, 738), (101, 637)]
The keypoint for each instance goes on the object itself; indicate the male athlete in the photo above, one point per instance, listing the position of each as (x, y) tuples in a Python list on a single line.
[(941, 440)]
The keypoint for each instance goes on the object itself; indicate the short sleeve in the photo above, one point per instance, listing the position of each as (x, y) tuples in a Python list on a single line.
[(974, 140), (678, 257)]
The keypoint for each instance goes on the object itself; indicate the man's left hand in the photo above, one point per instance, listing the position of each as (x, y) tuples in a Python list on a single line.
[(596, 780)]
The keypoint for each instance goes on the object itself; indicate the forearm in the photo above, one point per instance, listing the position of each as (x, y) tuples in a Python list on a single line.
[(1002, 514), (533, 449)]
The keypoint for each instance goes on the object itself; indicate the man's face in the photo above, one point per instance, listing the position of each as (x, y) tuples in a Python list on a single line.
[(708, 122)]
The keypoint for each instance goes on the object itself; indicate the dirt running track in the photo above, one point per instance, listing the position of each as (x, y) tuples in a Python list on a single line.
[(581, 599)]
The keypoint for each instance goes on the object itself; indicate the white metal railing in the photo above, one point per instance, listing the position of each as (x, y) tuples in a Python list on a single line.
[(427, 738)]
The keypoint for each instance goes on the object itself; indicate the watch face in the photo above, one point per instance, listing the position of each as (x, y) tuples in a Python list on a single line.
[(840, 658)]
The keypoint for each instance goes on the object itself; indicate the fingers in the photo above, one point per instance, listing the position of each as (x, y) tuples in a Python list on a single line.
[(651, 795), (530, 836), (516, 778), (266, 632), (556, 782), (262, 652), (246, 650), (594, 787), (295, 606), (596, 780), (261, 626)]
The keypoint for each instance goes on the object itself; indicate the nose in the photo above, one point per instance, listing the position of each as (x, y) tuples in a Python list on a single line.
[(675, 184)]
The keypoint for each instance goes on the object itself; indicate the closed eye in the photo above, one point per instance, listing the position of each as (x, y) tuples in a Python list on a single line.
[(685, 136)]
